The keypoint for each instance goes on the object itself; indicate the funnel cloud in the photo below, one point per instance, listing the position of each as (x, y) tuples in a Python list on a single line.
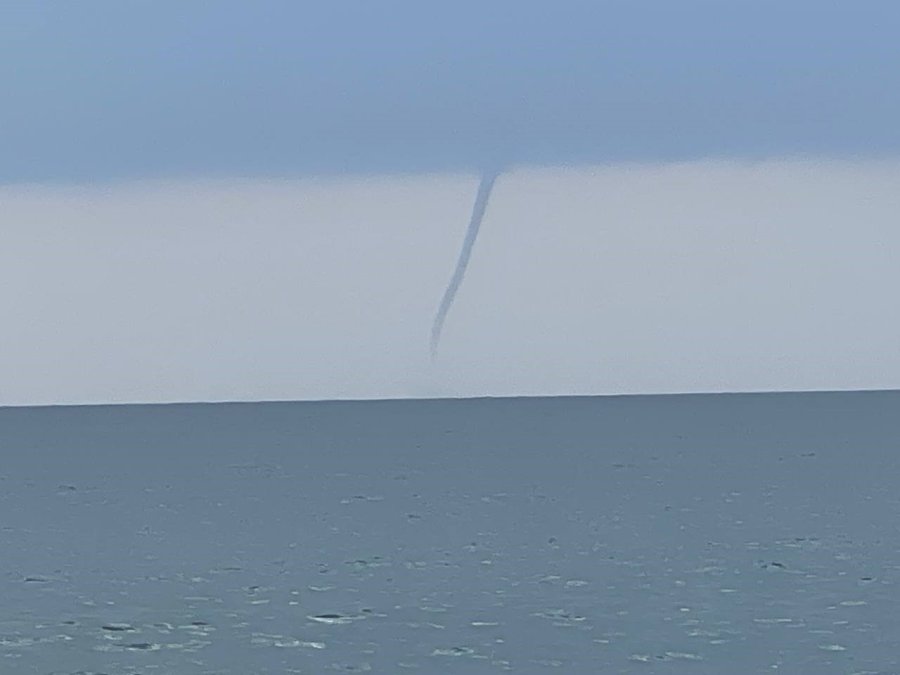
[(488, 179)]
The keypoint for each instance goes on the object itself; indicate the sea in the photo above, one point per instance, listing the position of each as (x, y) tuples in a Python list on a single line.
[(727, 533)]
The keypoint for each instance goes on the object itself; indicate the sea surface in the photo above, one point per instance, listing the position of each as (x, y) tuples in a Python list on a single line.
[(715, 534)]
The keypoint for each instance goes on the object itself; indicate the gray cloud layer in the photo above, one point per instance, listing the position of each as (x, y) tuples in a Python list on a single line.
[(103, 89)]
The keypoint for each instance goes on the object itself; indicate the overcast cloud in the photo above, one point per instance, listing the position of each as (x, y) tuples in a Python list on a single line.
[(104, 89), (232, 200)]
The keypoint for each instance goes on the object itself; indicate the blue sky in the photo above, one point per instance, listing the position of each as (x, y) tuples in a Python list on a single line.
[(118, 90)]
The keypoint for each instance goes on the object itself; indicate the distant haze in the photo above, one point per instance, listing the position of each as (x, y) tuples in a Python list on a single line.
[(705, 276)]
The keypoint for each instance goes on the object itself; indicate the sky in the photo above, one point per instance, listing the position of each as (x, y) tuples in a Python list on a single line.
[(244, 201), (112, 90)]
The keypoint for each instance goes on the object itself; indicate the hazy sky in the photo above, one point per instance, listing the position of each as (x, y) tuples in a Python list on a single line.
[(245, 200), (111, 89), (632, 278)]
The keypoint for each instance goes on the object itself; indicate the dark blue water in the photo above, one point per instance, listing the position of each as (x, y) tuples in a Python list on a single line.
[(661, 534)]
